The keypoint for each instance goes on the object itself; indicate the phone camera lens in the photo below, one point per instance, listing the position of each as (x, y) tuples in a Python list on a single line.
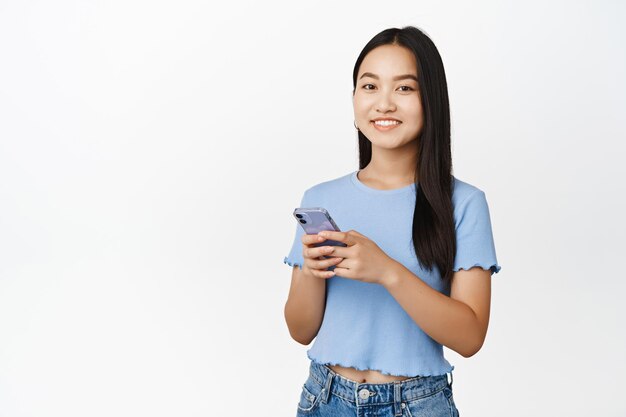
[(299, 216), (302, 221)]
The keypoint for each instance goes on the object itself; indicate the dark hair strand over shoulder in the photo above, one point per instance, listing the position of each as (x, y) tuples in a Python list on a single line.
[(434, 237)]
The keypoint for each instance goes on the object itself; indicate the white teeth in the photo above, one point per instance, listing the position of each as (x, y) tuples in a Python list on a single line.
[(386, 122)]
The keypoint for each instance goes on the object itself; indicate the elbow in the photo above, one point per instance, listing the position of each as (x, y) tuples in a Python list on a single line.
[(301, 340), (468, 353), (299, 337), (474, 342), (471, 349), (295, 332), (302, 335)]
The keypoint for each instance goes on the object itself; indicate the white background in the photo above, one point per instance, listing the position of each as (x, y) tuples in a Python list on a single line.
[(151, 155)]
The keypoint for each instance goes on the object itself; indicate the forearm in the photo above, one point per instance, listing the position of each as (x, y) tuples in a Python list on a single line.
[(448, 321), (304, 309)]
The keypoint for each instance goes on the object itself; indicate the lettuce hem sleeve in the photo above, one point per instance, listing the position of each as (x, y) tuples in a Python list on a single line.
[(474, 235), (493, 267), (291, 262), (295, 258)]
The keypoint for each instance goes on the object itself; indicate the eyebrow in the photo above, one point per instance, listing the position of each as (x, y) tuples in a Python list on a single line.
[(396, 78)]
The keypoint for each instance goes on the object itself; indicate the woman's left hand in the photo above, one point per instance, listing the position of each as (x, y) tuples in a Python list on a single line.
[(363, 259)]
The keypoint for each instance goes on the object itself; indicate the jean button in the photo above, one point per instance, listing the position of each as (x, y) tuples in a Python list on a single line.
[(364, 393)]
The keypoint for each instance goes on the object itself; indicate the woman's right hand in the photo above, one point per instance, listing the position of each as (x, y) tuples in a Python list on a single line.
[(313, 256)]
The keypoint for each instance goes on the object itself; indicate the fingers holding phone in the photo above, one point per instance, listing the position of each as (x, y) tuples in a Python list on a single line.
[(317, 250), (318, 258)]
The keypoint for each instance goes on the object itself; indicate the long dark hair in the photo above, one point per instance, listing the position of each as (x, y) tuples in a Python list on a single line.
[(434, 237)]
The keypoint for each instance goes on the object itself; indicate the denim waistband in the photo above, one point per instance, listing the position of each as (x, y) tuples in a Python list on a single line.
[(368, 393)]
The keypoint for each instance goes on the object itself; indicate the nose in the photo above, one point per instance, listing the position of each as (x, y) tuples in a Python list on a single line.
[(385, 103)]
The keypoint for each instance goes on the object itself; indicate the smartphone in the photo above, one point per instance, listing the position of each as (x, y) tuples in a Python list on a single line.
[(315, 219)]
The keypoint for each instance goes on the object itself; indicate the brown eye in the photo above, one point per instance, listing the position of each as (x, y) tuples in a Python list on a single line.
[(366, 86), (406, 86)]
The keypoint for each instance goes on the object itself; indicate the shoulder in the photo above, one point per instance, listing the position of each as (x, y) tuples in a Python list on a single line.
[(333, 186), (471, 210), (469, 203), (463, 192)]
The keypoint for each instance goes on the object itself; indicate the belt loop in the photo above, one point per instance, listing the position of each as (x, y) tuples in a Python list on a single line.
[(451, 380), (397, 398), (329, 380)]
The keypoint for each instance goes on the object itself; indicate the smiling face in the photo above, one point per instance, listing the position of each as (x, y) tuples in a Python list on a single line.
[(387, 88)]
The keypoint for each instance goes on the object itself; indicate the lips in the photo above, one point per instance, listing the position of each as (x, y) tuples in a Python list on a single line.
[(386, 118), (387, 124)]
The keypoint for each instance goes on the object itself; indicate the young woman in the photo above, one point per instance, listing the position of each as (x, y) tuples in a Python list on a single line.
[(415, 274)]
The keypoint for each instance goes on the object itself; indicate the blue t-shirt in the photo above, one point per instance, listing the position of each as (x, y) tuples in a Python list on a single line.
[(364, 326)]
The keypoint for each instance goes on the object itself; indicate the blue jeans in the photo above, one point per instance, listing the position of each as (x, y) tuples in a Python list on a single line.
[(326, 393)]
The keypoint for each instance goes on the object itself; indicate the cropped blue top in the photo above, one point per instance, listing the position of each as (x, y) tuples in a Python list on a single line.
[(364, 326)]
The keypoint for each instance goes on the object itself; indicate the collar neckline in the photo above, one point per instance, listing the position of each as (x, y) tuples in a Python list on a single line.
[(357, 182)]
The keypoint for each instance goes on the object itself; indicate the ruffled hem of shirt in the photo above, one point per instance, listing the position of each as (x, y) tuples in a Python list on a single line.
[(429, 372), (495, 268), (291, 263)]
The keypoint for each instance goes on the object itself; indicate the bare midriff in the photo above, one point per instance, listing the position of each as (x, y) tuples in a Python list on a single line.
[(369, 376)]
